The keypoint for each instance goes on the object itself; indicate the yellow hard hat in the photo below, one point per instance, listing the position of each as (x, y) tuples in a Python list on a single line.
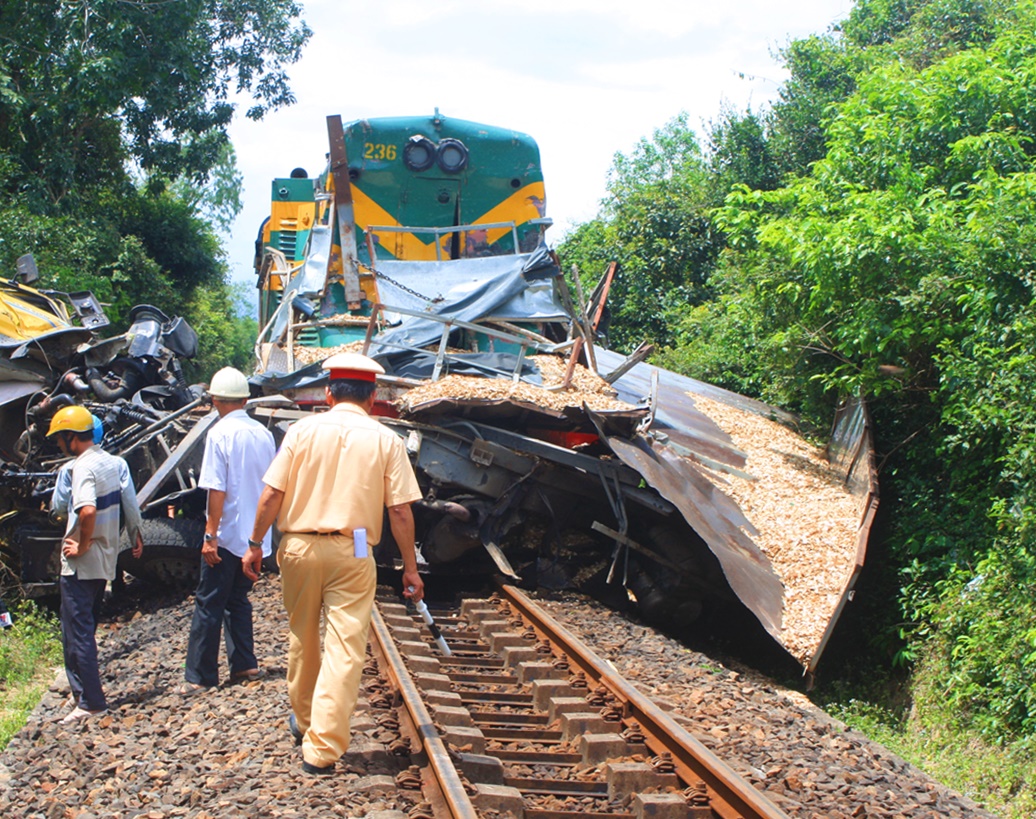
[(74, 419)]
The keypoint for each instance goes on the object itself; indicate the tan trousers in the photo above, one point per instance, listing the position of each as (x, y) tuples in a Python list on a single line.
[(320, 575)]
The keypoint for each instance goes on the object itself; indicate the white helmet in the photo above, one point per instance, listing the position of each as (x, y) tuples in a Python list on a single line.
[(230, 384)]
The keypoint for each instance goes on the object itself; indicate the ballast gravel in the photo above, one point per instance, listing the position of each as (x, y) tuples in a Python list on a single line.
[(806, 761), (228, 752), (223, 753)]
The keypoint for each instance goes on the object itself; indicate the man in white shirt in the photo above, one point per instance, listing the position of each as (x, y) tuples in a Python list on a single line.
[(238, 451)]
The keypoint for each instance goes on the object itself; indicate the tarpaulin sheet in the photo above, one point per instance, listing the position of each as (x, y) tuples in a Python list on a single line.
[(309, 281), (515, 288), (312, 375), (420, 364)]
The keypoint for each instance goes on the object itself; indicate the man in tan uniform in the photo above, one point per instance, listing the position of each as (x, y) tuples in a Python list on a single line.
[(333, 476)]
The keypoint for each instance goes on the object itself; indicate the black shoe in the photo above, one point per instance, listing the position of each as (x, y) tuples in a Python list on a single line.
[(317, 770), (293, 726)]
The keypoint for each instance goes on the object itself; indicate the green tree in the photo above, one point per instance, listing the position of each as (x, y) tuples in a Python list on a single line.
[(740, 153), (922, 31), (218, 200), (86, 86), (225, 337), (901, 268), (115, 167), (822, 74), (879, 22), (653, 223)]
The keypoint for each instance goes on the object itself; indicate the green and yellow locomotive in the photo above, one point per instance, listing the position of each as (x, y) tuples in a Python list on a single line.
[(409, 189)]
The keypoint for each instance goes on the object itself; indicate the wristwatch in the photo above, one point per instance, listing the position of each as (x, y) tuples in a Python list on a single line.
[(255, 544), (209, 537)]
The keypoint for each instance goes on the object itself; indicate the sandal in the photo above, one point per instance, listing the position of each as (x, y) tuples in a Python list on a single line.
[(77, 714), (251, 675)]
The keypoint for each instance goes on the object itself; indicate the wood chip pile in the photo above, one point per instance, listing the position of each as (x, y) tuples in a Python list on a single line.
[(807, 522), (345, 320), (307, 355), (586, 387)]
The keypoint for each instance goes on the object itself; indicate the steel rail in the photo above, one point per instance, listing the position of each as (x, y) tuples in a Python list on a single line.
[(732, 796), (448, 781)]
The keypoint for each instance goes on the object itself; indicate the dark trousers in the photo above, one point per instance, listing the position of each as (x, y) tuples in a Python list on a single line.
[(220, 602), (80, 608)]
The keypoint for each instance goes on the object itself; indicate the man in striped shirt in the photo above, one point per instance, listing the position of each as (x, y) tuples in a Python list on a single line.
[(89, 551)]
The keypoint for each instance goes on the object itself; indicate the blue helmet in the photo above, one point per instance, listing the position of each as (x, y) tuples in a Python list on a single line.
[(98, 429)]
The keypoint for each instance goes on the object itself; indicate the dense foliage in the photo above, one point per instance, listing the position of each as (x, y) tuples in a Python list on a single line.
[(84, 85), (654, 220), (880, 240), (115, 167)]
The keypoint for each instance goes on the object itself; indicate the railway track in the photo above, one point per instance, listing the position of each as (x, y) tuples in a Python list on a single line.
[(229, 753), (523, 719)]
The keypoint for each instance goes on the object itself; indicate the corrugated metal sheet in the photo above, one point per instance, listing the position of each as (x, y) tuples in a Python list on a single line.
[(716, 518), (851, 449), (674, 473)]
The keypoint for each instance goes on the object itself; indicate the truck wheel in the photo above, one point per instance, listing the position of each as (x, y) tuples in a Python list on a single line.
[(664, 595), (172, 553)]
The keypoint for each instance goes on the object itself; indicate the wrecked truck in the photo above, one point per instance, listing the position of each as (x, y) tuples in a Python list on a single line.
[(52, 355), (543, 456)]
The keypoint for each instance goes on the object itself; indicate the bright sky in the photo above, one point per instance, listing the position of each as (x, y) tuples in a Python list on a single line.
[(585, 78)]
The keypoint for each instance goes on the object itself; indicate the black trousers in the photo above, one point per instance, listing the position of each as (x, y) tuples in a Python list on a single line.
[(220, 603), (80, 608)]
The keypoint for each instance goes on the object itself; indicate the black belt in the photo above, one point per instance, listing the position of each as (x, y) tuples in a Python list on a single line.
[(324, 534)]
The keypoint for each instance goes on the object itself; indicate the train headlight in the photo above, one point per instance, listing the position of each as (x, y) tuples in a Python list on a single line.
[(419, 153), (453, 155)]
